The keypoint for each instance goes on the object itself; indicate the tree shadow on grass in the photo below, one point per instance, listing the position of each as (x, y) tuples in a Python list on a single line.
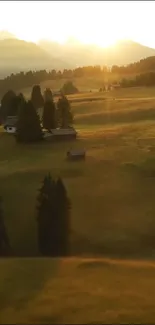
[(22, 280)]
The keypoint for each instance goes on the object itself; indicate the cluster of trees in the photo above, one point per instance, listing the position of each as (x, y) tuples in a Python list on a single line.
[(27, 79), (53, 221), (142, 66), (29, 124), (145, 79)]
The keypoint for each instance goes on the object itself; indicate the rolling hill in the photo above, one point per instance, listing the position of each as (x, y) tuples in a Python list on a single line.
[(18, 55)]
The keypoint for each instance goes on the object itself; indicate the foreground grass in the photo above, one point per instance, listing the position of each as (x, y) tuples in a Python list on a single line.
[(71, 291)]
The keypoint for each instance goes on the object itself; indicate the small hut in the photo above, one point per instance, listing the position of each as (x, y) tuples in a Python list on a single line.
[(74, 155)]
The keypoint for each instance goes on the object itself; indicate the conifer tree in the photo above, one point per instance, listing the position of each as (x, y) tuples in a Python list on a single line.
[(63, 207), (46, 217), (28, 124), (5, 248), (6, 104), (36, 97), (49, 114), (48, 95), (53, 218), (64, 114)]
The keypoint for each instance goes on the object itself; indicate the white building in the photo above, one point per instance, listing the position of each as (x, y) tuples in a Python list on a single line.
[(10, 124)]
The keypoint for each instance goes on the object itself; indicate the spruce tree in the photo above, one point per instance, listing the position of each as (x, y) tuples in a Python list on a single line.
[(53, 218), (28, 124), (15, 104), (36, 97), (63, 207), (6, 104), (46, 218), (5, 249), (49, 115), (69, 88), (64, 114), (48, 95)]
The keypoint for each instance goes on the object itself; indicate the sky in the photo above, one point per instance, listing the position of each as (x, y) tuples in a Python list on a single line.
[(98, 22)]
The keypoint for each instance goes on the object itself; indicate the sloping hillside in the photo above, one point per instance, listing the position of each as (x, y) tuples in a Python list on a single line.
[(17, 55), (77, 291)]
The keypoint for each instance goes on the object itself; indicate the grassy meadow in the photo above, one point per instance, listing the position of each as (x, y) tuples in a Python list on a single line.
[(76, 291), (112, 192), (113, 216)]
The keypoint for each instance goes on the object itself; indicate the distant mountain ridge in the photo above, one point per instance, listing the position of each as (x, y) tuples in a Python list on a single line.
[(18, 55), (122, 53)]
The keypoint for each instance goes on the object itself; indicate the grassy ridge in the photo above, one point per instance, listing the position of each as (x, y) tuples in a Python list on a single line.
[(72, 291)]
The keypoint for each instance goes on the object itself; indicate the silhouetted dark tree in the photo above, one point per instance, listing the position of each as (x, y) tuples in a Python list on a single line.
[(15, 104), (6, 104), (64, 114), (5, 248), (53, 218), (49, 114), (63, 205), (68, 88), (36, 97), (28, 124), (48, 95)]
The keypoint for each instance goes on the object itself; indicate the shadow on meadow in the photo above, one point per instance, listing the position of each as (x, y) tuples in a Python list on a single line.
[(22, 279)]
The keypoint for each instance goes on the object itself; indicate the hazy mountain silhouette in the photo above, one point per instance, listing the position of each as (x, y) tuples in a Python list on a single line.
[(17, 55), (122, 53), (4, 34)]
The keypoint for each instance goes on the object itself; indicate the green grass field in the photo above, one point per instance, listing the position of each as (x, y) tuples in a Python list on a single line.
[(113, 216)]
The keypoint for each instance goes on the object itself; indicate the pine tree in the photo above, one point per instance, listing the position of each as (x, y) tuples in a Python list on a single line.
[(46, 218), (48, 95), (69, 88), (64, 114), (28, 124), (63, 207), (5, 248), (49, 115), (6, 104), (53, 218), (15, 104), (36, 97)]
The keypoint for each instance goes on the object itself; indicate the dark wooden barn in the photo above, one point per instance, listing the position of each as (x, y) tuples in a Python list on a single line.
[(74, 155)]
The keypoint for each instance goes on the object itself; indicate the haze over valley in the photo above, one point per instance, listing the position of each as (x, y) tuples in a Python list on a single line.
[(18, 55)]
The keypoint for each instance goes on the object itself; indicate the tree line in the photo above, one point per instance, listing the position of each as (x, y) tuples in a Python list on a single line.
[(27, 79), (141, 80), (53, 212), (29, 124)]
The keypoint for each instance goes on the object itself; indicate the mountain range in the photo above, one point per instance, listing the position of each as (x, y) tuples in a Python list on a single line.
[(17, 55)]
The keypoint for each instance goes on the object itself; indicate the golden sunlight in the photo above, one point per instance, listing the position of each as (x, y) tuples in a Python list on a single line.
[(98, 22)]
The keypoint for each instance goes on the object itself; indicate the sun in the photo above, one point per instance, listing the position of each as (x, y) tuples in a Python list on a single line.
[(102, 41)]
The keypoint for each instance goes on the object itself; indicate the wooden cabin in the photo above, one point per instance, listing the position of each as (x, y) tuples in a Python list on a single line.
[(74, 155)]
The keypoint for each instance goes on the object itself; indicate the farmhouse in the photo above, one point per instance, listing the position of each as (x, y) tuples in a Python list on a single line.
[(10, 124)]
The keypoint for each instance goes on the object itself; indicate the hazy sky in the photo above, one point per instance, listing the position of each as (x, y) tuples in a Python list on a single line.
[(99, 22)]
